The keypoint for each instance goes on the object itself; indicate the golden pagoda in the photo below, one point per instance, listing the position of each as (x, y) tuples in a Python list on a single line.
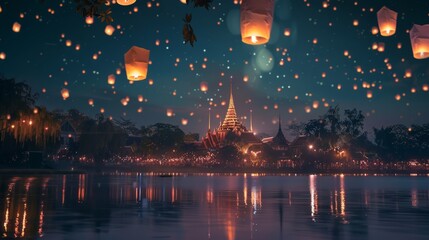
[(231, 130)]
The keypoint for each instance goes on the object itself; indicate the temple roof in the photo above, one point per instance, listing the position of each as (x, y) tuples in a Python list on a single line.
[(280, 139)]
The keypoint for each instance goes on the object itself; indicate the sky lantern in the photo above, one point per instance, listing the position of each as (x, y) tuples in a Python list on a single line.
[(91, 102), (419, 35), (124, 101), (16, 27), (183, 1), (169, 112), (89, 20), (2, 56), (108, 30), (136, 63), (204, 86), (65, 93), (387, 21), (125, 2), (111, 79), (256, 18), (184, 121), (140, 98)]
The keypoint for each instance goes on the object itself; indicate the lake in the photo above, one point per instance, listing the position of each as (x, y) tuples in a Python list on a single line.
[(210, 206)]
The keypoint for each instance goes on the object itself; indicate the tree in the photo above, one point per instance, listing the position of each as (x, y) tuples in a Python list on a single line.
[(353, 122), (100, 139), (162, 138)]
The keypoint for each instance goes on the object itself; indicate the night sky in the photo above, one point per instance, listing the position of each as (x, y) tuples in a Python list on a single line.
[(290, 75)]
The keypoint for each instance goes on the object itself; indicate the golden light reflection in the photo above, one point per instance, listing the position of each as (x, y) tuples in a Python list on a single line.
[(256, 198), (313, 196), (342, 196), (81, 189), (209, 194), (414, 198), (230, 226), (63, 190)]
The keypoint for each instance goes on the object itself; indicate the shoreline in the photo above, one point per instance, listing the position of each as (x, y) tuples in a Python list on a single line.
[(171, 171)]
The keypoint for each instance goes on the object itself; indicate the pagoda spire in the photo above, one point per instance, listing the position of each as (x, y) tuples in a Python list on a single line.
[(251, 120), (231, 120), (209, 118)]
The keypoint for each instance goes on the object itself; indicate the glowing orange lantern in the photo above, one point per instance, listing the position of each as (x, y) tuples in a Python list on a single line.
[(136, 63), (65, 93), (89, 20), (125, 2), (204, 87), (419, 35), (387, 21), (140, 98), (111, 79), (256, 19), (183, 1), (16, 27), (108, 30)]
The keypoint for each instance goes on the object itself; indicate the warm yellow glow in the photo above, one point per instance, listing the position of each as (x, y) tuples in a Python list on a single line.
[(65, 93), (111, 79), (313, 196), (254, 39), (419, 35), (109, 29), (89, 20), (16, 27), (183, 1), (136, 63), (386, 21), (125, 2), (256, 18)]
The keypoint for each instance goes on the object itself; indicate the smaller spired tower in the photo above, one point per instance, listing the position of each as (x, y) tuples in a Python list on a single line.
[(279, 141)]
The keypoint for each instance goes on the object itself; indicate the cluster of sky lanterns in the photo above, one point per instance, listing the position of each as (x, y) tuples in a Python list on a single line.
[(256, 17), (419, 34)]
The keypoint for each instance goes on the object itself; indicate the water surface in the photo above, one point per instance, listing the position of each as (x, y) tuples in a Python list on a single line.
[(139, 206)]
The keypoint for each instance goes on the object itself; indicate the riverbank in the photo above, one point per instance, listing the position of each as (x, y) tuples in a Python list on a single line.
[(170, 171)]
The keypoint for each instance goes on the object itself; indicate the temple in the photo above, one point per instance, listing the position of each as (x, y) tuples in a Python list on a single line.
[(230, 131)]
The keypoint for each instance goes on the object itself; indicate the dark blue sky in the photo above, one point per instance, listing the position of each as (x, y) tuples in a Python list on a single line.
[(39, 56)]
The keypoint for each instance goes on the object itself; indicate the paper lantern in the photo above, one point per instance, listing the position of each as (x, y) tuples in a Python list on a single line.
[(183, 1), (204, 87), (111, 79), (125, 2), (136, 63), (91, 102), (2, 56), (256, 19), (140, 98), (16, 27), (419, 35), (65, 93), (89, 20), (108, 30), (387, 21)]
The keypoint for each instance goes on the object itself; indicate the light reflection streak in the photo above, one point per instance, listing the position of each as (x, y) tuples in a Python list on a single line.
[(414, 198), (313, 196), (342, 196)]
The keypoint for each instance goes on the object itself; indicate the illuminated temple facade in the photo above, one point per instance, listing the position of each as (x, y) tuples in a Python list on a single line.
[(230, 132)]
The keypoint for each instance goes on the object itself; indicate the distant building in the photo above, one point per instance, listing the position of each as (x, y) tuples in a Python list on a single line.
[(68, 135), (230, 131), (278, 142)]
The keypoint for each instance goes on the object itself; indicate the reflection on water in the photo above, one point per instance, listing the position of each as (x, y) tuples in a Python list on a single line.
[(113, 206)]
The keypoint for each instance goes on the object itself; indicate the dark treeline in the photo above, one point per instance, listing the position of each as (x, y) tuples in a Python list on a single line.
[(25, 127)]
